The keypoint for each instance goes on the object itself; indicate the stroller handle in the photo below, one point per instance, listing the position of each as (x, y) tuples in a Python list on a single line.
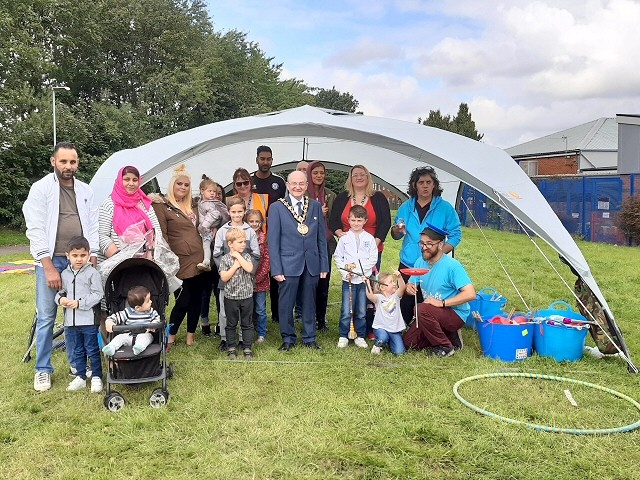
[(137, 327)]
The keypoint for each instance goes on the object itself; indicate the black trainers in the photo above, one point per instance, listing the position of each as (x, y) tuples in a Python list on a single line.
[(442, 351), (206, 330), (231, 354), (322, 326), (223, 346), (456, 339)]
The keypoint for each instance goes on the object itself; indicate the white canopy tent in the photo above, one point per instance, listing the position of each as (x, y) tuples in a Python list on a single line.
[(389, 148)]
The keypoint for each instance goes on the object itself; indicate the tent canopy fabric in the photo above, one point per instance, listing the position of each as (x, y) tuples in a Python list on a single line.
[(389, 148)]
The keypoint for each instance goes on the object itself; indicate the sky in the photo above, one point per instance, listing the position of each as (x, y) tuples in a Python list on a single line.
[(525, 68)]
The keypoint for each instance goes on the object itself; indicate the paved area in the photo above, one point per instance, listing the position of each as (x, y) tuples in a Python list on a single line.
[(14, 249)]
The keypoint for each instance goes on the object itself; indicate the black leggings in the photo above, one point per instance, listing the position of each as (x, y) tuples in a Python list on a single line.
[(188, 302)]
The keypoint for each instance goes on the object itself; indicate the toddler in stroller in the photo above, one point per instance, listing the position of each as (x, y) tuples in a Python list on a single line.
[(139, 355), (138, 311)]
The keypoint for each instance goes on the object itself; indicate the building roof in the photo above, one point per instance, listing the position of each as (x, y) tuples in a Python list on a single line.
[(597, 135)]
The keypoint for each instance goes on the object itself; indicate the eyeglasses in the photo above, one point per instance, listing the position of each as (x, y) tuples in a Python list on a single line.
[(297, 184), (243, 184), (427, 244), (359, 175)]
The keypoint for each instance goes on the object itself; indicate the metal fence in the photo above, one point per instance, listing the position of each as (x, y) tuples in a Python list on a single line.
[(588, 206)]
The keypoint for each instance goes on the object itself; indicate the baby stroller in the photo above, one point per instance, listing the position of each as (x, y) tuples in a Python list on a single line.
[(151, 365)]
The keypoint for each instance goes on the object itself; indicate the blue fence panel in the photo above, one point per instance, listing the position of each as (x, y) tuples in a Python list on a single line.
[(588, 207)]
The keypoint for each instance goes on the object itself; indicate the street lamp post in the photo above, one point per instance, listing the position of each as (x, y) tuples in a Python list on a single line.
[(53, 89)]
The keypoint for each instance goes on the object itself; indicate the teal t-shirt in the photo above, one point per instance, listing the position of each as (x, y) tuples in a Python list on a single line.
[(444, 280)]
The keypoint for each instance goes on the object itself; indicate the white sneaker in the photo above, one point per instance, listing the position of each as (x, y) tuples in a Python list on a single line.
[(343, 342), (376, 350), (41, 382), (73, 372), (77, 383), (361, 342), (260, 339), (96, 385)]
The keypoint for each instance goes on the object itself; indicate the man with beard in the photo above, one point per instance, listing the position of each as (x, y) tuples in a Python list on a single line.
[(264, 181), (447, 289), (58, 208)]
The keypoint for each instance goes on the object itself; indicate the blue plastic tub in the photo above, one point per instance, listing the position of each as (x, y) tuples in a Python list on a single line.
[(566, 311), (563, 343), (509, 343), (553, 339), (488, 302)]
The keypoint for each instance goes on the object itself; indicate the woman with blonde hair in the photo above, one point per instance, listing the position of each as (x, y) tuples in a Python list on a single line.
[(359, 190), (178, 222)]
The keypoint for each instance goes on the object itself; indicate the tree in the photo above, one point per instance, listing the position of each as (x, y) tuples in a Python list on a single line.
[(137, 70), (461, 124), (334, 100), (629, 219), (335, 180)]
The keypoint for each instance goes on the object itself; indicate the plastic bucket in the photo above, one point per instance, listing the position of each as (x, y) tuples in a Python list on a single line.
[(562, 342), (566, 311), (509, 343), (488, 303)]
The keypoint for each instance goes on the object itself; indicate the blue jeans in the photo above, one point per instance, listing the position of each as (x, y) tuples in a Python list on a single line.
[(47, 310), (358, 305), (260, 311), (85, 339), (396, 345)]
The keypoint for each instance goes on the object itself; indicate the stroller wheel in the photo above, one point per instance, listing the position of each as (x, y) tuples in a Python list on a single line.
[(170, 370), (114, 402), (159, 398)]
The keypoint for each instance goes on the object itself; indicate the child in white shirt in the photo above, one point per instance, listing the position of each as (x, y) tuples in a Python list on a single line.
[(388, 323), (355, 257)]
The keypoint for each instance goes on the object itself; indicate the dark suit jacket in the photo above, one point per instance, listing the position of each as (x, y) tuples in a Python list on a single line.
[(289, 249)]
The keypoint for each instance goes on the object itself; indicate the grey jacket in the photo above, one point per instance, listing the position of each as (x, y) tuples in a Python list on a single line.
[(86, 287)]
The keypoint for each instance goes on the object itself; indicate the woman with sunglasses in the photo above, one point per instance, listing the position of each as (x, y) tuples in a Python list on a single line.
[(424, 207), (243, 188)]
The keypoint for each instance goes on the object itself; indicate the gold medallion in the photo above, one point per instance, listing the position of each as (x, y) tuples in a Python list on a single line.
[(303, 229)]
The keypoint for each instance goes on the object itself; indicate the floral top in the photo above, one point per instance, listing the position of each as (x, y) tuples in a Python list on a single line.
[(262, 273)]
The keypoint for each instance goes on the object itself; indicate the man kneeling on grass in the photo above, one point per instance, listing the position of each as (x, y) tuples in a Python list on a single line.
[(447, 289)]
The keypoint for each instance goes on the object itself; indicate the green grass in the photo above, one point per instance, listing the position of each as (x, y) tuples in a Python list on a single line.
[(336, 414), (12, 237)]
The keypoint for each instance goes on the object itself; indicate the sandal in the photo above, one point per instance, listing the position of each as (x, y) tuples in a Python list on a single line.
[(170, 342), (190, 339)]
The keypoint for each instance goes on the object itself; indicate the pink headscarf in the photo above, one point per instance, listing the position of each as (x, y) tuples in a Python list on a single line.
[(126, 206)]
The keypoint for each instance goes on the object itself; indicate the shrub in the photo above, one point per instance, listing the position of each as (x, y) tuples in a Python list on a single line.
[(630, 218)]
